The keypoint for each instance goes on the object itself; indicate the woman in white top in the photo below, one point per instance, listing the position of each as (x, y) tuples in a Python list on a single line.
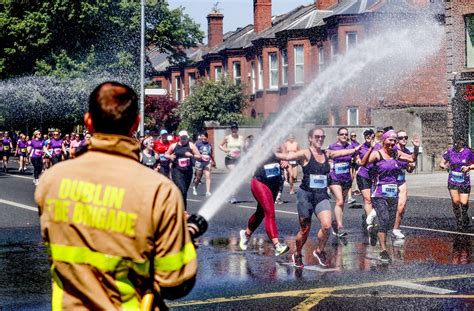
[(232, 145)]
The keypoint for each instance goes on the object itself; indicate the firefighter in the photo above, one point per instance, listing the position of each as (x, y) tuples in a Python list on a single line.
[(116, 231)]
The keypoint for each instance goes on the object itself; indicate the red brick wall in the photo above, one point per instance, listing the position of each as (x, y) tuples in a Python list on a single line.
[(262, 14)]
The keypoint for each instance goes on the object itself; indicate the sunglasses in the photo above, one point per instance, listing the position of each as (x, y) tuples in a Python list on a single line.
[(402, 137), (343, 134), (353, 135), (319, 136)]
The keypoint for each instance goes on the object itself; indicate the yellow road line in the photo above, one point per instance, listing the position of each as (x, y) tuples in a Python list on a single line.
[(311, 301), (323, 291)]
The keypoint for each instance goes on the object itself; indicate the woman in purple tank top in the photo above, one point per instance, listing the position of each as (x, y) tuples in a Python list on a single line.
[(22, 152), (36, 155), (7, 147), (459, 161), (385, 188)]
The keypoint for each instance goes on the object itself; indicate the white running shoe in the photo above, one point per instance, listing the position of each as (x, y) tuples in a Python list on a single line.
[(351, 200), (281, 249), (370, 218), (208, 194), (194, 191), (244, 240), (398, 234)]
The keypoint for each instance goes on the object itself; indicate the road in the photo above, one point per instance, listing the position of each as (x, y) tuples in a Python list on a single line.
[(432, 270)]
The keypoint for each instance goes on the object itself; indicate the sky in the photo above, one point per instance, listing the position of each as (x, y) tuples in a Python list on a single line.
[(237, 13)]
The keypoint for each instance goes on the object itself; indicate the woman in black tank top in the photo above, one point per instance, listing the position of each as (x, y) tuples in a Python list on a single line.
[(312, 196), (181, 155)]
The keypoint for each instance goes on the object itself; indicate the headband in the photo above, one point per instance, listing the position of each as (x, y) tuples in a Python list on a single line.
[(388, 134)]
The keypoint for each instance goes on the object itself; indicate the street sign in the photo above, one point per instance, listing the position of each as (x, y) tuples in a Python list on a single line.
[(160, 92)]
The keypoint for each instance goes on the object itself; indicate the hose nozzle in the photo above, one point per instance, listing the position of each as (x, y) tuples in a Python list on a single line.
[(197, 225)]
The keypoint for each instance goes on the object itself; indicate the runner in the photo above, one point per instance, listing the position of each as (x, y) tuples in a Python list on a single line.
[(313, 197), (67, 147), (203, 165), (75, 143), (291, 146), (28, 150), (160, 146), (354, 167), (148, 156), (22, 152), (180, 154), (48, 153), (385, 194), (36, 155), (57, 146), (402, 184), (264, 186), (7, 148), (232, 145), (458, 161), (340, 179), (364, 183)]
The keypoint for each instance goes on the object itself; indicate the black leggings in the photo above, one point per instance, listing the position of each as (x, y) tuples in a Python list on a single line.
[(37, 165), (386, 209), (182, 179), (56, 158)]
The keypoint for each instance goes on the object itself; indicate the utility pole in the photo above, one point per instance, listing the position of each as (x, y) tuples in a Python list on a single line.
[(142, 70)]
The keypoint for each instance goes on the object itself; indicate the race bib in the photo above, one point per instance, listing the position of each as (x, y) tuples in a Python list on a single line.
[(38, 152), (6, 147), (401, 178), (292, 162), (390, 190), (341, 168), (184, 162), (457, 177), (235, 154), (272, 170), (23, 150), (318, 181), (163, 158), (57, 150), (205, 158)]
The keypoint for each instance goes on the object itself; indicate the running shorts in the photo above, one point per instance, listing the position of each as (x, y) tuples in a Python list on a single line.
[(344, 184), (461, 189), (363, 183), (308, 202)]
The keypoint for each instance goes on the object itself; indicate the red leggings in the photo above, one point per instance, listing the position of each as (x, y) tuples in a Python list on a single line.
[(265, 196)]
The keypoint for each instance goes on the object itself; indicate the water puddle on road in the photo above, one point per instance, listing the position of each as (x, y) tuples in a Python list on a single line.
[(221, 258)]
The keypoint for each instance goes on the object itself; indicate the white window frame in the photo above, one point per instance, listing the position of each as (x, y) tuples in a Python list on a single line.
[(260, 72), (252, 76), (177, 84), (349, 116), (299, 64), (348, 34), (469, 22), (272, 70), (321, 58), (333, 41), (284, 67), (191, 81), (237, 74), (217, 73)]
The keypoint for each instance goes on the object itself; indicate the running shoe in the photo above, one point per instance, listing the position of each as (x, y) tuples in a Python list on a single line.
[(281, 249), (194, 191), (385, 257), (322, 258), (464, 219), (297, 260), (244, 240), (370, 218), (398, 234), (335, 229), (279, 201), (208, 194), (372, 236), (351, 201)]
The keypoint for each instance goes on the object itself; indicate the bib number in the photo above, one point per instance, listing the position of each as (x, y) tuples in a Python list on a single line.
[(341, 168), (457, 177), (23, 150), (318, 181), (184, 162), (401, 178), (272, 170), (57, 151), (235, 154), (6, 148), (163, 158), (205, 158), (292, 162), (390, 190), (38, 152)]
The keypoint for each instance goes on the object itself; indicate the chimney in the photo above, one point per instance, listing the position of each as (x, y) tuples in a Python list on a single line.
[(215, 25), (325, 4), (262, 15)]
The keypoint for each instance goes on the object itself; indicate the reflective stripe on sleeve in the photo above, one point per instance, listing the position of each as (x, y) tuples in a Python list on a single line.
[(104, 262), (127, 295), (176, 261)]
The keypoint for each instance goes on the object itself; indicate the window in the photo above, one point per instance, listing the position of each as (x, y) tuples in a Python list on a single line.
[(273, 72), (333, 46), (252, 76), (284, 67), (237, 72), (217, 73), (191, 82), (159, 84), (321, 58), (470, 41), (260, 72), (177, 95), (353, 116), (351, 40), (299, 63)]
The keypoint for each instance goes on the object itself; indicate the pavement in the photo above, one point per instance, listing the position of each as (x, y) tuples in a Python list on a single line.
[(432, 267)]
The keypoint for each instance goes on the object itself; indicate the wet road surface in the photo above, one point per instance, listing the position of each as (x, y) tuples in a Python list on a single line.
[(432, 270)]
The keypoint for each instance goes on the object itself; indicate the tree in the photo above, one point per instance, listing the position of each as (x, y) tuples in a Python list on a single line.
[(221, 101), (65, 38), (160, 112)]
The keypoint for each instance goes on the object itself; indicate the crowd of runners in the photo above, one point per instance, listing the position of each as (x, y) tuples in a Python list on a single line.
[(375, 168)]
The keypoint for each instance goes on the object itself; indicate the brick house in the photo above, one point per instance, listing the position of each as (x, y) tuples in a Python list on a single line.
[(460, 71), (278, 56)]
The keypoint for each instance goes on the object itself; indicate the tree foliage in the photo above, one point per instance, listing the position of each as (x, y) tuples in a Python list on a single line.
[(66, 38), (221, 101), (160, 112)]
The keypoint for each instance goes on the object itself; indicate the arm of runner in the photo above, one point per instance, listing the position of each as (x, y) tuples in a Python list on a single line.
[(169, 153), (195, 152), (340, 153), (299, 155), (411, 157), (223, 145), (175, 260)]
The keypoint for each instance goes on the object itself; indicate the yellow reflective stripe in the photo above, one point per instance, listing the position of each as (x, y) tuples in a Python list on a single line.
[(104, 262), (176, 261), (127, 294), (58, 292)]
